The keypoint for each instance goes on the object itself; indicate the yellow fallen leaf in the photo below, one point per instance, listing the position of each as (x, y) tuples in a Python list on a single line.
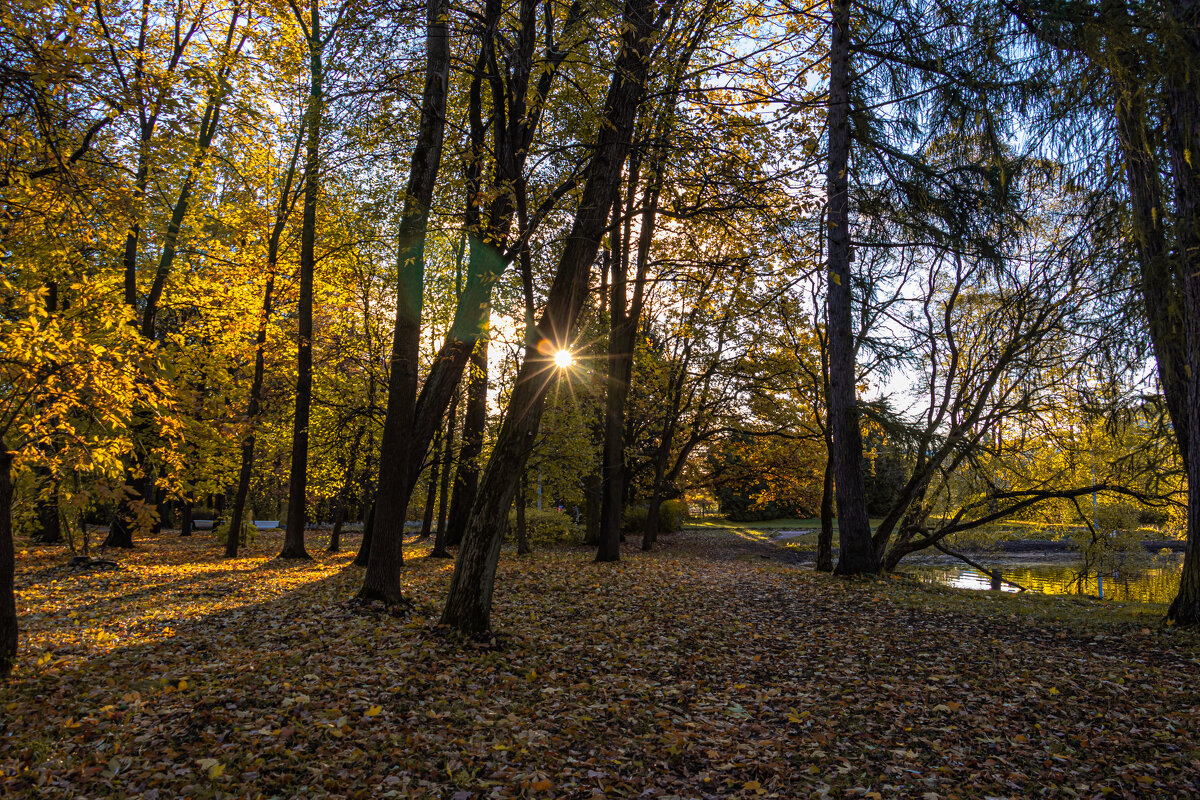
[(374, 711)]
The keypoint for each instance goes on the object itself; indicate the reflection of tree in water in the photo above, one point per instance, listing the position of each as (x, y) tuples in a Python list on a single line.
[(1156, 583)]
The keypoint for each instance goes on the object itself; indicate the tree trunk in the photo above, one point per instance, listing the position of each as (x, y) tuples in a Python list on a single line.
[(335, 536), (185, 519), (396, 472), (522, 527), (8, 598), (468, 605), (825, 536), (293, 542), (431, 493), (447, 461), (617, 391), (1161, 283), (120, 530), (650, 535), (1183, 102), (49, 524), (466, 477), (595, 492), (252, 412), (857, 553), (363, 556)]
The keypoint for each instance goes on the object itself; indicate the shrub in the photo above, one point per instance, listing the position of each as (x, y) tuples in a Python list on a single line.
[(671, 515), (249, 532), (547, 527)]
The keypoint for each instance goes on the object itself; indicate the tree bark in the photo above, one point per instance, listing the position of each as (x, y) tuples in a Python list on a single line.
[(252, 412), (825, 536), (466, 477), (363, 557), (396, 458), (1183, 104), (521, 502), (857, 553), (468, 606), (447, 461), (49, 524), (185, 519), (293, 542), (435, 466), (8, 598)]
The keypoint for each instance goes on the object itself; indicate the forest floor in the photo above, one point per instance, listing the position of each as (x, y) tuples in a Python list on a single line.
[(711, 668)]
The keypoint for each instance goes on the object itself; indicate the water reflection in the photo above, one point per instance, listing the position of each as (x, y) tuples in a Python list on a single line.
[(1156, 584)]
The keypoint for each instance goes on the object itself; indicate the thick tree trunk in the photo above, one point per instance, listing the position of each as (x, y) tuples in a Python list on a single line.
[(1183, 99), (8, 598), (857, 553), (466, 477), (293, 542), (396, 458), (825, 536), (1161, 284), (468, 606)]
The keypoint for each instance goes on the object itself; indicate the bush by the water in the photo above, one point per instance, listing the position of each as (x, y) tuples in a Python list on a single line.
[(671, 515), (547, 527)]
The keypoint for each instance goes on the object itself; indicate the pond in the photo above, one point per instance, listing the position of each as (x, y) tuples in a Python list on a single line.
[(1157, 583)]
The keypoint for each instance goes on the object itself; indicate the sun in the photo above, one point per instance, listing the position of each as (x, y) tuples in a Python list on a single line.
[(563, 359)]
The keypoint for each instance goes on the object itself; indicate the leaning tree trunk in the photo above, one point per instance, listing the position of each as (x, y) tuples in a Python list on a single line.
[(293, 542), (1183, 101), (469, 603), (857, 553), (396, 472), (8, 599)]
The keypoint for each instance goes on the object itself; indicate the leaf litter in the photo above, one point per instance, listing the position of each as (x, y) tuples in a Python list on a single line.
[(698, 671)]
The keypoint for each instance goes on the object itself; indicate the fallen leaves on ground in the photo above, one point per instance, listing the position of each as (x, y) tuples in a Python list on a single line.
[(702, 670)]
